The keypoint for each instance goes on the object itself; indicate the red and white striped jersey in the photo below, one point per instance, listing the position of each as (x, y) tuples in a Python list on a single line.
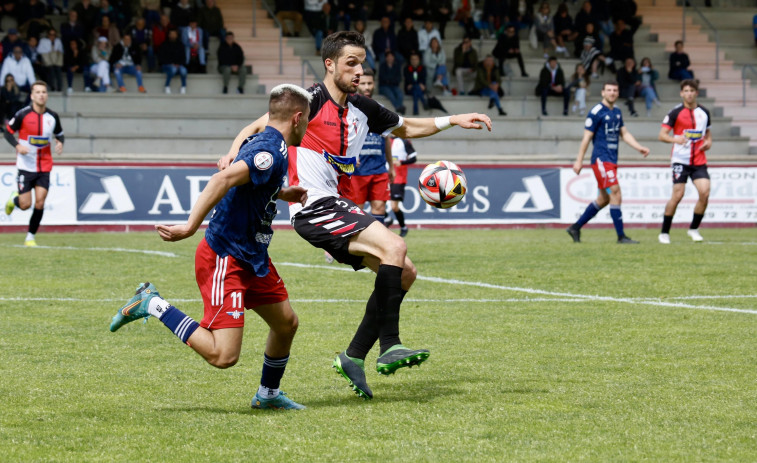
[(36, 132), (327, 156), (693, 125)]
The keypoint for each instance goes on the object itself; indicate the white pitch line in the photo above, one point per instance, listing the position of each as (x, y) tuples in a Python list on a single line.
[(356, 301), (74, 248)]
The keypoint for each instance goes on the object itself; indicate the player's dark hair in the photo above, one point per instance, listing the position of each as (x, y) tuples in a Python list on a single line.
[(286, 99), (690, 83), (39, 82), (677, 42), (610, 83), (368, 72), (334, 44)]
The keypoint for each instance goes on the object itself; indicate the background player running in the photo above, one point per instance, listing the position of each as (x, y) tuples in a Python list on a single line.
[(604, 128), (690, 123), (232, 266), (403, 154), (339, 123), (38, 128)]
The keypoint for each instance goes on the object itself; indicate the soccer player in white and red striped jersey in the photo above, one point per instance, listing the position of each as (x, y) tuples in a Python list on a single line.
[(340, 119), (690, 123)]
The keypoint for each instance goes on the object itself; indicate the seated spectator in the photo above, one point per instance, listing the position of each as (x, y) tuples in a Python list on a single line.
[(521, 13), (621, 44), (325, 24), (210, 20), (150, 12), (384, 40), (564, 30), (370, 57), (435, 60), (508, 47), (87, 14), (289, 10), (629, 84), (311, 14), (141, 37), (426, 34), (31, 18), (585, 16), (545, 26), (390, 81), (11, 41), (579, 83), (552, 83), (172, 58), (181, 14), (441, 13), (50, 50), (108, 30), (126, 59), (493, 15), (72, 29), (21, 68), (488, 83), (11, 99), (193, 37), (591, 58), (231, 61), (99, 68), (414, 9), (415, 82), (76, 61), (160, 32), (107, 10), (34, 56), (588, 31), (465, 61), (648, 90), (680, 66), (407, 39)]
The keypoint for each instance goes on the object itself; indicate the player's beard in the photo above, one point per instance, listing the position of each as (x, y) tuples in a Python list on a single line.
[(346, 87)]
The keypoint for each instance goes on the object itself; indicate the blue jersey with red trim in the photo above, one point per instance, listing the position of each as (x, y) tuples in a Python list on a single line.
[(372, 156), (240, 224), (605, 123)]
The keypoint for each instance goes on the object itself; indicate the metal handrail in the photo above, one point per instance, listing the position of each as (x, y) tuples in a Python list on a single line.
[(714, 29), (747, 67), (254, 19), (281, 34), (306, 63)]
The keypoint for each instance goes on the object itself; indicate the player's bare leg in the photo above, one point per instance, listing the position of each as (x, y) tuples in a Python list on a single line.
[(703, 188)]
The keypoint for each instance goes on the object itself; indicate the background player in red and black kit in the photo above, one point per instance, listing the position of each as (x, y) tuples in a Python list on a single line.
[(690, 123), (38, 128), (340, 120), (403, 154)]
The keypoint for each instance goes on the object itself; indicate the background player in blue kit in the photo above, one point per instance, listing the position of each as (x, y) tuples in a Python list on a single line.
[(232, 266), (604, 128)]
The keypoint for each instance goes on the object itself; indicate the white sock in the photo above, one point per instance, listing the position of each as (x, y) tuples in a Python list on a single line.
[(30, 237), (267, 393), (157, 307)]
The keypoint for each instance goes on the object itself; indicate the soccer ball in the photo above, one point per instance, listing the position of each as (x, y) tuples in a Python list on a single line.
[(442, 184)]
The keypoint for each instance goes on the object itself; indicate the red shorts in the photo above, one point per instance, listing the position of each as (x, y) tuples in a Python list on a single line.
[(369, 188), (606, 174), (227, 288)]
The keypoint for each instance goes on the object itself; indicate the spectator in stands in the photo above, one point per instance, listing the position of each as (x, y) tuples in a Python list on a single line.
[(73, 29), (426, 34), (34, 57), (181, 13), (370, 57), (160, 32), (193, 37), (465, 19), (289, 10), (121, 12), (326, 23), (9, 14), (353, 10), (99, 68), (441, 12), (384, 40), (87, 13), (11, 99), (626, 10), (231, 61), (579, 84), (415, 81), (522, 13), (150, 12), (11, 41), (648, 89), (311, 15), (508, 47), (210, 20), (629, 84), (465, 61), (107, 10), (591, 58), (680, 66), (386, 8), (407, 39), (585, 16), (31, 17), (621, 44), (435, 60), (108, 30), (141, 37), (602, 10), (552, 83), (564, 30), (172, 58), (51, 52), (545, 33), (488, 83), (21, 68), (126, 59), (415, 9), (493, 15), (589, 31), (390, 81), (76, 61)]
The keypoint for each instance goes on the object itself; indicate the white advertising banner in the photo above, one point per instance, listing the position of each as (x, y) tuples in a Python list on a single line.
[(60, 205)]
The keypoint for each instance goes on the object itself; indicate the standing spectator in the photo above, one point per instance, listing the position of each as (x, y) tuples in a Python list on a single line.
[(11, 99), (193, 38), (435, 60), (579, 82), (21, 68), (621, 44), (407, 39), (680, 66), (390, 81), (545, 29), (87, 14), (325, 24), (311, 15), (289, 10), (181, 14), (415, 81), (508, 46), (426, 34), (172, 57), (231, 61), (150, 12), (141, 37), (73, 29), (648, 90), (76, 61), (591, 58), (465, 61), (552, 83), (160, 32), (13, 40), (210, 20), (488, 83), (441, 12), (126, 59), (564, 29), (384, 39), (34, 56), (50, 50), (100, 64), (629, 83)]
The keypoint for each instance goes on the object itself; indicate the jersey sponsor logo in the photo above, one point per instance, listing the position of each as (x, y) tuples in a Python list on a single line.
[(236, 315), (694, 135), (38, 141), (263, 160), (343, 164)]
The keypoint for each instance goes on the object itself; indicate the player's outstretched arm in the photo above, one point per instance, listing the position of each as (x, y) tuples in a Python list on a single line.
[(256, 127), (219, 184), (631, 140), (415, 127), (579, 164)]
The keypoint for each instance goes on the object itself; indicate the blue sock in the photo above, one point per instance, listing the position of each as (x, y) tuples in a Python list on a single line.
[(379, 217), (589, 213), (182, 325), (273, 370), (617, 219)]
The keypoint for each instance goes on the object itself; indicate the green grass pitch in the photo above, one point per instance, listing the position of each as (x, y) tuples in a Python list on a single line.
[(541, 349)]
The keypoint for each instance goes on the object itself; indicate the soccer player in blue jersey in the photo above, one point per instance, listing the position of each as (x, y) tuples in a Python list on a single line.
[(604, 128), (232, 266)]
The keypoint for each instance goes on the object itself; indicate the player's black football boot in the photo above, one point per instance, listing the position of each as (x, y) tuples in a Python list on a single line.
[(354, 374), (626, 240), (574, 233), (399, 356)]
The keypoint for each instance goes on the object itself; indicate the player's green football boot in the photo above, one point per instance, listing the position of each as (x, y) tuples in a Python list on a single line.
[(399, 356), (10, 205), (354, 374), (136, 308), (280, 402)]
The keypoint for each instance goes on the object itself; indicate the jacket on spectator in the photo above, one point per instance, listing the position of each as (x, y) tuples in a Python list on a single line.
[(678, 61), (81, 59), (484, 78), (172, 53), (545, 78), (22, 70), (390, 75), (98, 55), (230, 55), (50, 52), (210, 20), (414, 75), (466, 60), (505, 43), (383, 40), (70, 31), (118, 53), (407, 42)]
